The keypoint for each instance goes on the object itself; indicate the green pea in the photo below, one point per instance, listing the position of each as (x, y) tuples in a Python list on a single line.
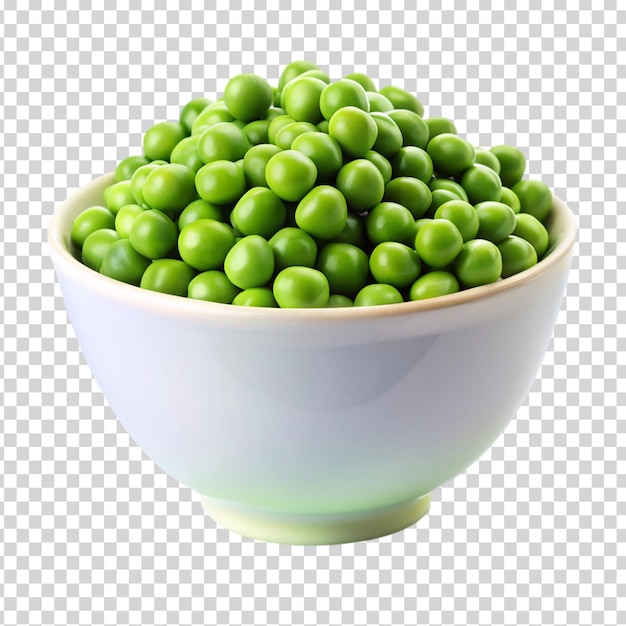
[(517, 255), (204, 244), (301, 287), (96, 246), (419, 224), (290, 175), (450, 154), (259, 212), (354, 129), (340, 94), (105, 194), (363, 79), (488, 158), (438, 242), (88, 221), (389, 138), (122, 262), (169, 276), (390, 221), (161, 139), (323, 126), (256, 132), (383, 165), (317, 73), (170, 188), (256, 296), (532, 230), (276, 125), (212, 286), (413, 128), (247, 97), (220, 182), (433, 285), (250, 262), (508, 197), (411, 193), (354, 231), (324, 151), (439, 197), (402, 99), (448, 185), (440, 125), (378, 294), (413, 161), (378, 102), (395, 264), (337, 301), (120, 195), (512, 164), (361, 183), (345, 266), (186, 153), (213, 114), (301, 99), (293, 246), (190, 112), (153, 234), (125, 219), (535, 198), (274, 112), (198, 210), (478, 263), (137, 181), (481, 183), (462, 214), (496, 221), (222, 142), (322, 212), (240, 124), (287, 134), (255, 161), (126, 167), (293, 69)]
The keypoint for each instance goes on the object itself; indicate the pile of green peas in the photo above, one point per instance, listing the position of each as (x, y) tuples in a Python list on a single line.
[(314, 193)]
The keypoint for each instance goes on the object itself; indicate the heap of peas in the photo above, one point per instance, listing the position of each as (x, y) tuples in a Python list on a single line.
[(316, 193)]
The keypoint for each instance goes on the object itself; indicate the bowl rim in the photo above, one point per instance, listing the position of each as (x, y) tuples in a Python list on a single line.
[(561, 217)]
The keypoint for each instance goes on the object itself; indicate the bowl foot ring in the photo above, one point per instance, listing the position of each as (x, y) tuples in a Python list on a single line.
[(314, 529)]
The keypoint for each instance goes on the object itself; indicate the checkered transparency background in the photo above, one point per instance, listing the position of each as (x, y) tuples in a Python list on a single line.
[(93, 533)]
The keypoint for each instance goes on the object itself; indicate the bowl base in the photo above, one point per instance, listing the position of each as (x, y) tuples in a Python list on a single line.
[(311, 529)]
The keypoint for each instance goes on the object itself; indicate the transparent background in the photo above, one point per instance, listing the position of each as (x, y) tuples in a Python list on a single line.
[(93, 533)]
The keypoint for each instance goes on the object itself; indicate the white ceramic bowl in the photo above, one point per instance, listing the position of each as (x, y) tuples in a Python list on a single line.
[(313, 426)]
